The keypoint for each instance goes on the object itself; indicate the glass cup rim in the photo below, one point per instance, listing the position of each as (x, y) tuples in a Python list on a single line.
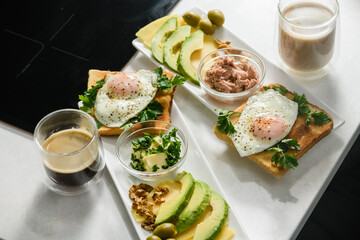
[(332, 19), (231, 95), (121, 138), (49, 115)]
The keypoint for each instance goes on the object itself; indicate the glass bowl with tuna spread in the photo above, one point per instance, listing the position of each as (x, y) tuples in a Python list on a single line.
[(231, 74), (151, 150)]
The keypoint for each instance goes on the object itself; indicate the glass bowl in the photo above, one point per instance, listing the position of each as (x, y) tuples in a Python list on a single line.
[(240, 56), (123, 147)]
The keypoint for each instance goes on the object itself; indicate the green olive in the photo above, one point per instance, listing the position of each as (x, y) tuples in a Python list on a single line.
[(206, 26), (165, 230), (191, 18), (216, 17), (153, 237)]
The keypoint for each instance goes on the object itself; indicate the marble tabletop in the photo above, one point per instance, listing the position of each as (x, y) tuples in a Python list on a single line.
[(267, 208)]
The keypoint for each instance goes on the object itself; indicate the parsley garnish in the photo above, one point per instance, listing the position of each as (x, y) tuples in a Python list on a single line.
[(153, 109), (89, 97), (224, 124), (303, 108), (320, 118), (164, 83), (282, 159), (281, 89)]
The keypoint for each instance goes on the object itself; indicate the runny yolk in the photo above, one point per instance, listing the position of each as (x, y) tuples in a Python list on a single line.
[(269, 127), (122, 85)]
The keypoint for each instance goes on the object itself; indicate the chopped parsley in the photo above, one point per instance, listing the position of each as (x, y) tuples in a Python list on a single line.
[(224, 124), (282, 159), (155, 168), (164, 83), (143, 143), (149, 144), (136, 163)]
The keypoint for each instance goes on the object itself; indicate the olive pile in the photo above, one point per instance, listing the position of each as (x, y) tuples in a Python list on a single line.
[(207, 25), (165, 231)]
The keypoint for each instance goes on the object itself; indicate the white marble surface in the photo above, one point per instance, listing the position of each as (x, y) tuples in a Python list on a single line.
[(267, 208)]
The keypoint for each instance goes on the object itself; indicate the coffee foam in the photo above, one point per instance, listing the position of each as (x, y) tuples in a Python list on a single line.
[(70, 151)]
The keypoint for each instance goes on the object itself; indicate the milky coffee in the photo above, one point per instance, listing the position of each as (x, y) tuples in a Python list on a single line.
[(306, 42)]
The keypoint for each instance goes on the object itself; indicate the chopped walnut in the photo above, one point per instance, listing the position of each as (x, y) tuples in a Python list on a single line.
[(138, 194), (159, 193), (139, 191), (141, 204), (149, 226), (222, 44), (146, 187)]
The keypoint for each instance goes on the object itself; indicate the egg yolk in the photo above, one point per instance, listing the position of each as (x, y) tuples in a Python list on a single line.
[(123, 85), (269, 127)]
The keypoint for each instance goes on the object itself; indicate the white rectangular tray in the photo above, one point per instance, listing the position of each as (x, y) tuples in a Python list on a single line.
[(195, 163), (273, 75)]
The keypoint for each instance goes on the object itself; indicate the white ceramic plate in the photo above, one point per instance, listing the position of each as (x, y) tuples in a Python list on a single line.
[(195, 163), (273, 75)]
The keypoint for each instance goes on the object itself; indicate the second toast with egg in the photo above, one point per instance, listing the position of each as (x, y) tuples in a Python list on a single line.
[(306, 135)]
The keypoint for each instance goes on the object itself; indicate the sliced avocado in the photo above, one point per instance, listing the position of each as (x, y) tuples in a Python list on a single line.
[(199, 200), (159, 40), (173, 44), (192, 43), (171, 209), (211, 226)]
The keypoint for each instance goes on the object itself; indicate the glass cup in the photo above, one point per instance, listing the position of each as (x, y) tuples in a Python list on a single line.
[(307, 37), (71, 151)]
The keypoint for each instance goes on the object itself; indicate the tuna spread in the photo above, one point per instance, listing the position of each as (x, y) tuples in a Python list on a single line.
[(230, 76)]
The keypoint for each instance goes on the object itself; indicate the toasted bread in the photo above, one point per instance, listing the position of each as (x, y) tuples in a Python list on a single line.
[(306, 135), (163, 97)]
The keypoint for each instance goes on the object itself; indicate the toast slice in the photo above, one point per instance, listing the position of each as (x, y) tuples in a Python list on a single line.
[(163, 97), (306, 135)]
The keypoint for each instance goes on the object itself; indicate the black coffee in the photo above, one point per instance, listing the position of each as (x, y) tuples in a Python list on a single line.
[(76, 178), (79, 160)]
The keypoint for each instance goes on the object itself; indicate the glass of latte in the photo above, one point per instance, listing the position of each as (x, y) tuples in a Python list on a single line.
[(71, 151), (307, 37)]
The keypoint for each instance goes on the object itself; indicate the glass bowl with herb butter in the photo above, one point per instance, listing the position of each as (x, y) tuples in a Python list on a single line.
[(151, 150)]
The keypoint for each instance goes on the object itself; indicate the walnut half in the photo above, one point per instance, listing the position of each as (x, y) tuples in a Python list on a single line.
[(159, 193)]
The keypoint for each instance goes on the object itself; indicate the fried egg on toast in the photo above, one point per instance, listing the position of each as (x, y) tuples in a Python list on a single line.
[(163, 97), (306, 135)]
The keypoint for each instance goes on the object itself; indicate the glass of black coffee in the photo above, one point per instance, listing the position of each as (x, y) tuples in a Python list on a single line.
[(71, 151)]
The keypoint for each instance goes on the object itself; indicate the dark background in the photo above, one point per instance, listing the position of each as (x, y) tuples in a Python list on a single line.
[(50, 46)]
